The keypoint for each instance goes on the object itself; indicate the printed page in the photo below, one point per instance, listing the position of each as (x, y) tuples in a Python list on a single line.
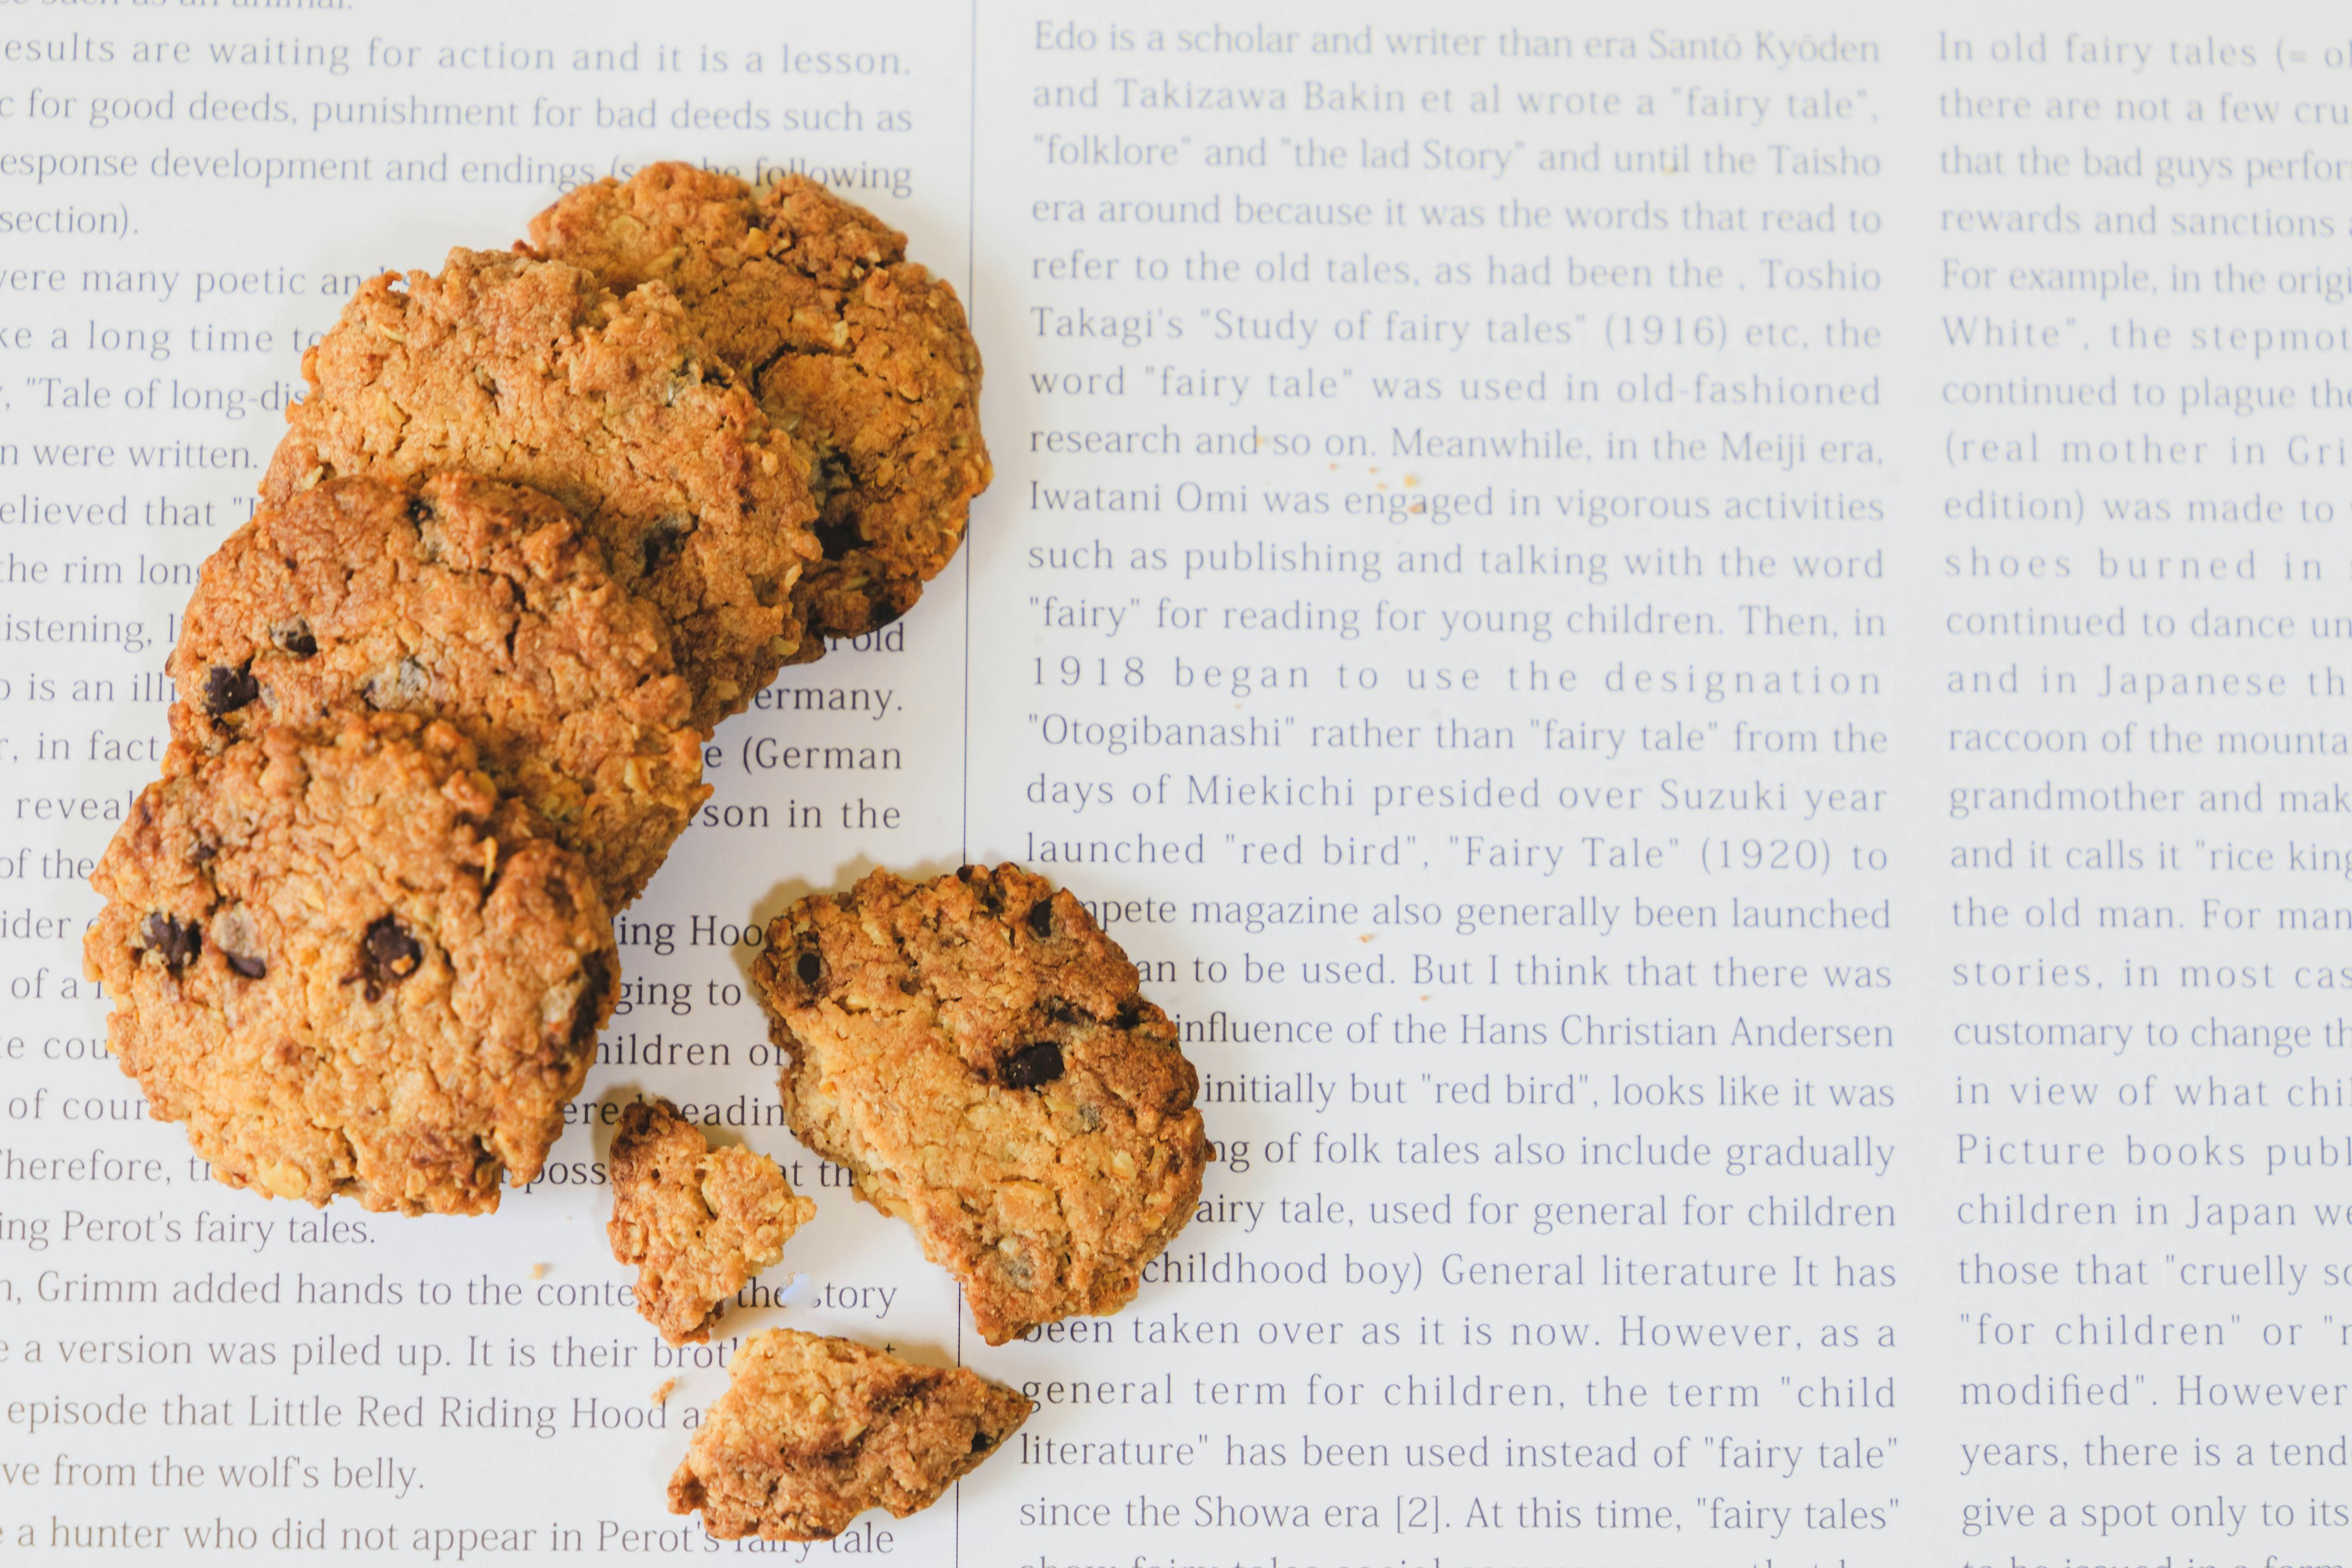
[(1698, 649)]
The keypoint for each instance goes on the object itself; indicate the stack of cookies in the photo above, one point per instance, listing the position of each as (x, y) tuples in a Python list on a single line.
[(544, 520)]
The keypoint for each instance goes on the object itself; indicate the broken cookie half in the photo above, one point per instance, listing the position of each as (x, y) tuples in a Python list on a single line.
[(975, 1050), (812, 1431), (698, 1223)]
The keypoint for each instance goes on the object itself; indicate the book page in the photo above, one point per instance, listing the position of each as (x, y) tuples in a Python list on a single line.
[(1699, 648)]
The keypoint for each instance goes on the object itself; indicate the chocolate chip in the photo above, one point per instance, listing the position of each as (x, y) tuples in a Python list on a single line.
[(1031, 1066), (178, 942), (1041, 917), (981, 1442), (1129, 1016), (251, 968), (227, 690), (391, 954), (295, 637), (808, 967)]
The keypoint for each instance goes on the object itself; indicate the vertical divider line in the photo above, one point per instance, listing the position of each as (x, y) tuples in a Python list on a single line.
[(970, 528)]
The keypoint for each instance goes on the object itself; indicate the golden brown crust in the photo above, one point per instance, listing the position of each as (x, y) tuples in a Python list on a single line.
[(976, 1052), (859, 352), (463, 599), (697, 1222), (812, 1431), (350, 966), (533, 373)]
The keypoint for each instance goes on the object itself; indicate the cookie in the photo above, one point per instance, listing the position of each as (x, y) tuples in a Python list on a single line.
[(811, 1432), (533, 373), (461, 599), (859, 352), (697, 1222), (351, 965), (973, 1048)]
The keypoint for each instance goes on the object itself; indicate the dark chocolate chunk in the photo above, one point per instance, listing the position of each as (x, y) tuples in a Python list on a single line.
[(178, 942), (1031, 1066), (227, 690), (808, 967), (393, 955)]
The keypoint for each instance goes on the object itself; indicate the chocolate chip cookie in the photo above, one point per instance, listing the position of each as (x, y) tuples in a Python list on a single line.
[(532, 372), (697, 1222), (467, 600), (974, 1049), (351, 965), (812, 1431), (859, 352)]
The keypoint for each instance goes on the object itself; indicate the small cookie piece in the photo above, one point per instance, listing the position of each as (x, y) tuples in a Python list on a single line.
[(533, 373), (695, 1222), (859, 352), (462, 599), (974, 1049), (812, 1431), (350, 966)]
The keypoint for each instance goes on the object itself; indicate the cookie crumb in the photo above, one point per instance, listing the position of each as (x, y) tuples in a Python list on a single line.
[(698, 1223)]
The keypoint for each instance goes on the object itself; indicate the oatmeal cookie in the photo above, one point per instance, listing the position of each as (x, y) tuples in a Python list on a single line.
[(533, 373), (351, 965), (813, 1431), (859, 352), (698, 1223), (974, 1049), (462, 599)]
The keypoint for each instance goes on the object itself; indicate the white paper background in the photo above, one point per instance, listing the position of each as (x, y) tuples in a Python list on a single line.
[(1447, 1355)]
